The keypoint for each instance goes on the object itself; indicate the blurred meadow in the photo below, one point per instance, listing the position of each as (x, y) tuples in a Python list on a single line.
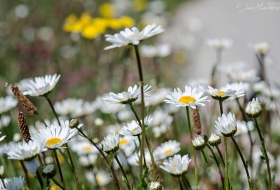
[(66, 40)]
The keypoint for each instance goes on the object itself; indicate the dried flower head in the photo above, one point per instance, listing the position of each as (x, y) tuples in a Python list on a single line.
[(23, 127), (196, 121), (25, 102)]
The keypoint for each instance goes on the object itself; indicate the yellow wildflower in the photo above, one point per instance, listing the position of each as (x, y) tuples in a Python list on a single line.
[(106, 10)]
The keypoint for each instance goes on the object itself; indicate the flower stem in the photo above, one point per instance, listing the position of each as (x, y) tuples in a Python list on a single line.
[(202, 151), (226, 165), (59, 168), (243, 161), (221, 156), (265, 154), (217, 162), (142, 108), (26, 174), (124, 174), (105, 158), (186, 182), (180, 182), (40, 179), (56, 182), (193, 149), (50, 103), (221, 106), (73, 167)]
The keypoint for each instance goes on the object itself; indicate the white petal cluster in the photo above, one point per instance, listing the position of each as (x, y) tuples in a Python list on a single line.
[(55, 136), (243, 127), (219, 44), (226, 124), (41, 85), (132, 36), (190, 97), (7, 103), (167, 149), (176, 165), (110, 144), (131, 128), (199, 142), (101, 177), (128, 144), (218, 94), (15, 183), (239, 87), (253, 108), (214, 139), (83, 148), (23, 150), (130, 96), (157, 97), (155, 51), (261, 48)]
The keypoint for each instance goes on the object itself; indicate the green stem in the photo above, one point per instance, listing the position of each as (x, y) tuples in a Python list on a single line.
[(1, 177), (226, 164), (217, 162), (26, 174), (59, 168), (221, 156), (180, 182), (73, 167), (243, 161), (124, 174), (193, 149), (41, 119), (105, 158), (40, 179), (142, 108), (186, 182), (204, 156), (50, 103), (56, 182), (221, 106), (265, 154)]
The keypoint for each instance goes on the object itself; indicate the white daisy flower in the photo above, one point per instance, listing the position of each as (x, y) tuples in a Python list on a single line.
[(7, 103), (218, 94), (157, 97), (155, 51), (226, 125), (167, 149), (219, 44), (155, 186), (176, 165), (101, 177), (83, 148), (128, 144), (246, 75), (261, 48), (214, 140), (55, 136), (23, 150), (132, 36), (133, 160), (253, 108), (110, 144), (15, 183), (242, 127), (239, 87), (161, 122), (199, 143), (88, 160), (132, 128), (41, 85), (190, 97), (127, 97)]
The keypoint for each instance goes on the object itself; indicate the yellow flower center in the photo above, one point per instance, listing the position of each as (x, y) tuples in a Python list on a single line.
[(87, 148), (123, 141), (168, 151), (187, 99), (174, 167), (53, 141), (220, 93), (133, 130)]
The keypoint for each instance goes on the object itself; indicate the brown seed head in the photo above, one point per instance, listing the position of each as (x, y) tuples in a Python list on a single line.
[(25, 102), (196, 121), (23, 127)]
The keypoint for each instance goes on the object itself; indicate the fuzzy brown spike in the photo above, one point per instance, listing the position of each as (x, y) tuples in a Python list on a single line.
[(25, 102), (23, 127), (196, 121)]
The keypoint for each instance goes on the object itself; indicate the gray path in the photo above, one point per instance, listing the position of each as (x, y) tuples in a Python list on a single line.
[(222, 19)]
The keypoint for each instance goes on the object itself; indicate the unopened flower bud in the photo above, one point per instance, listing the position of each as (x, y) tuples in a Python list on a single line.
[(74, 123), (49, 171)]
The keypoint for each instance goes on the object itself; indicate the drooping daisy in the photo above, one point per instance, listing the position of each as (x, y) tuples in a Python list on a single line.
[(41, 85), (23, 150), (7, 104), (190, 97), (83, 148), (219, 44), (167, 149), (131, 128), (226, 125), (130, 96), (15, 183), (110, 144), (55, 136), (218, 94), (176, 165), (132, 36)]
